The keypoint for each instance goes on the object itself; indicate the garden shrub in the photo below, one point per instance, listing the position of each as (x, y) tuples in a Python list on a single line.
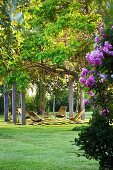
[(96, 140)]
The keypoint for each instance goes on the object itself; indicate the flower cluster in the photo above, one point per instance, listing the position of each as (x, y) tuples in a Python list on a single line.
[(88, 82), (95, 57), (85, 80), (107, 48)]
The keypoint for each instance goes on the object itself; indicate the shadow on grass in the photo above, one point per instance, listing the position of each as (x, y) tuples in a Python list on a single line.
[(79, 128)]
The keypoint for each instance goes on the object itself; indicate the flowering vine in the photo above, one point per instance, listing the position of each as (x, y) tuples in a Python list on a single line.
[(96, 140), (98, 77)]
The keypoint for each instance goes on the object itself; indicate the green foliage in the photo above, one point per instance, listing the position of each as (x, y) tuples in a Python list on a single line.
[(55, 29), (11, 68), (61, 99), (42, 31), (19, 76), (96, 141), (30, 103)]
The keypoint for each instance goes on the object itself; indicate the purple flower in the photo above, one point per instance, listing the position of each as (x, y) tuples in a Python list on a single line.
[(91, 93), (111, 53), (101, 55), (95, 57), (112, 27), (105, 49), (101, 48), (86, 102), (97, 62), (91, 71), (102, 76), (108, 45), (101, 30), (104, 112), (96, 39), (103, 36), (82, 80), (90, 81), (84, 72)]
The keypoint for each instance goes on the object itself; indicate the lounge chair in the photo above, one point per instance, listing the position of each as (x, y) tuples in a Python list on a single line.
[(77, 117), (34, 117), (62, 112), (45, 114)]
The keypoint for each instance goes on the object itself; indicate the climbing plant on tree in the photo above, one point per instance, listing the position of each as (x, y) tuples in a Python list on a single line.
[(96, 140)]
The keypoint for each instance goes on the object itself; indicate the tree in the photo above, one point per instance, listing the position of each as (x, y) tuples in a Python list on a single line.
[(53, 32), (11, 19), (62, 31)]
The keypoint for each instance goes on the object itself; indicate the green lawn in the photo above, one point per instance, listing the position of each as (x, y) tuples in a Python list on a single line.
[(40, 148)]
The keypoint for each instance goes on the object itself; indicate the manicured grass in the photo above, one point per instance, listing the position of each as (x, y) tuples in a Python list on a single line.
[(41, 148)]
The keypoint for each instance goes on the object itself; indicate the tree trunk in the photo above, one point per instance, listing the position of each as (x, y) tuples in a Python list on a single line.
[(14, 103), (71, 113), (22, 98), (77, 99), (6, 108), (41, 98), (54, 104), (82, 105)]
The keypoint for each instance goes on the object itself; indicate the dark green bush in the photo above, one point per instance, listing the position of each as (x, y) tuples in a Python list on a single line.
[(97, 142)]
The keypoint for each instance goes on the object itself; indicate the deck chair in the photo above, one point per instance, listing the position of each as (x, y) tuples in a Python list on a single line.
[(45, 114), (33, 116), (62, 112), (78, 116)]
